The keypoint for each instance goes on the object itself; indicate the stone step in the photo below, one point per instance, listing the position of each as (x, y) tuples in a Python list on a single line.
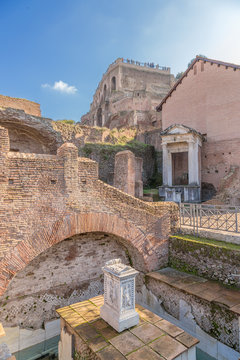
[(192, 299)]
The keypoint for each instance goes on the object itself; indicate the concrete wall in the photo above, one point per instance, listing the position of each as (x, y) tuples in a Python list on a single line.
[(29, 107)]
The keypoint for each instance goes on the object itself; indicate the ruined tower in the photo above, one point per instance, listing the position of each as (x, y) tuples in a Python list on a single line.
[(128, 94)]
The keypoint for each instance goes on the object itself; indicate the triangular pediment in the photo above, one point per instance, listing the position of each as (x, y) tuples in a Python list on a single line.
[(179, 129)]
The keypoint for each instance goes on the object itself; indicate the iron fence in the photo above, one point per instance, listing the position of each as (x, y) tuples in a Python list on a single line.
[(215, 217)]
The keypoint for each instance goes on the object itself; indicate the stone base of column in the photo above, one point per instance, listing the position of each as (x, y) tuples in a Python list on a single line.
[(125, 321)]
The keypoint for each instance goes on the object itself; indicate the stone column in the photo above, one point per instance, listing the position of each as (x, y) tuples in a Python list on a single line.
[(69, 153), (169, 169), (124, 172), (138, 177), (165, 164), (193, 163)]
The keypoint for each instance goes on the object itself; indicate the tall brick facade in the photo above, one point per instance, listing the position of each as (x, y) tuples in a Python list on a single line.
[(207, 99)]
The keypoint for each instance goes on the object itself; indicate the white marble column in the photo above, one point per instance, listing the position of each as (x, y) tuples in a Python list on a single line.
[(167, 166), (193, 163)]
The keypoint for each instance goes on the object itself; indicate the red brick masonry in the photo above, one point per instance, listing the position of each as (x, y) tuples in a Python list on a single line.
[(46, 199)]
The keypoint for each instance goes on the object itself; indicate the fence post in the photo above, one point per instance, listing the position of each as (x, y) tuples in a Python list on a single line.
[(197, 218), (180, 215), (193, 213), (236, 218)]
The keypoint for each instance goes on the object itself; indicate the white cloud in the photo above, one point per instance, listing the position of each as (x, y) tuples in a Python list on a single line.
[(62, 87)]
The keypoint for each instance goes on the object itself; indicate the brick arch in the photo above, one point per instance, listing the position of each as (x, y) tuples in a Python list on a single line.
[(73, 224)]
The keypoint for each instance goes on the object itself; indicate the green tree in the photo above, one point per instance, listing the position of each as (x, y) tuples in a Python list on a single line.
[(179, 75), (195, 58)]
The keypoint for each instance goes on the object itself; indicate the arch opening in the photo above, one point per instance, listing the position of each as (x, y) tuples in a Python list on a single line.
[(113, 83), (99, 117), (68, 272), (104, 91)]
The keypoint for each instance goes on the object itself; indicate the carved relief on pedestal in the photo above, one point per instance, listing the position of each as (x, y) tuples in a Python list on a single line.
[(127, 291)]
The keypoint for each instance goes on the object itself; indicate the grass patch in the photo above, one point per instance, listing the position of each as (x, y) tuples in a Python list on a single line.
[(150, 191), (210, 242), (65, 121)]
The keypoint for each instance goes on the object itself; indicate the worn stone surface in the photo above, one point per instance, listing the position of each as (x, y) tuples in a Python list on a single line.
[(212, 306), (144, 341), (168, 347), (211, 261), (144, 353), (147, 332)]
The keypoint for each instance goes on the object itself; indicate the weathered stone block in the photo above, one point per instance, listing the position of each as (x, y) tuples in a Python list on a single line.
[(119, 295)]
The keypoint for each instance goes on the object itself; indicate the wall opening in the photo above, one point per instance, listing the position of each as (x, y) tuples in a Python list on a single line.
[(99, 117), (113, 83), (180, 168), (68, 272), (104, 91)]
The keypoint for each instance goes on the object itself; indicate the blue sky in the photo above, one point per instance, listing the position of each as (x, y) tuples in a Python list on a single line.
[(54, 52)]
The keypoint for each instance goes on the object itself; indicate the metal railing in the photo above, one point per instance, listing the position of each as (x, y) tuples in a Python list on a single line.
[(215, 217), (146, 64)]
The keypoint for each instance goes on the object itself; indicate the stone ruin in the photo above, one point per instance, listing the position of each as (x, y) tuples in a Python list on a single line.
[(128, 94), (119, 295), (128, 173)]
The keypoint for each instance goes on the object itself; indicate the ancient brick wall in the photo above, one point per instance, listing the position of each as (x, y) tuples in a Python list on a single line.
[(48, 198), (218, 157), (29, 107), (31, 134), (28, 133), (124, 172)]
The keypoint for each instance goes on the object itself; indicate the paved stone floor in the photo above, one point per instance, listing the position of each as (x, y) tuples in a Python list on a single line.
[(152, 339), (202, 288)]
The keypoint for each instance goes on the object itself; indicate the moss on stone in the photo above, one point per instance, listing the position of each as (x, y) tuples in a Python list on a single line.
[(206, 241)]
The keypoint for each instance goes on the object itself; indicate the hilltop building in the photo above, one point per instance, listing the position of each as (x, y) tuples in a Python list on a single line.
[(128, 94)]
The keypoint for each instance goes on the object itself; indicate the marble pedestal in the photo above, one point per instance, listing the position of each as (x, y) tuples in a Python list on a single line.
[(119, 295)]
